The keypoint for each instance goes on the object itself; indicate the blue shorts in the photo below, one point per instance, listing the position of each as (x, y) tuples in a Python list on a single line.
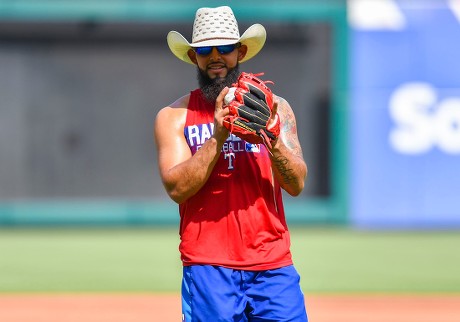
[(212, 293)]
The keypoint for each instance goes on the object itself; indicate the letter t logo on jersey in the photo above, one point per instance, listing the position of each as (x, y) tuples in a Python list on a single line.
[(230, 156)]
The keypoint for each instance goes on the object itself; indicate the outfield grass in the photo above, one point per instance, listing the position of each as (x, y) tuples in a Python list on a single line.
[(147, 260), (357, 261), (82, 260)]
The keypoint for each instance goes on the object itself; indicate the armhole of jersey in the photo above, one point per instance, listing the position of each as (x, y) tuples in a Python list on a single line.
[(187, 111), (274, 190)]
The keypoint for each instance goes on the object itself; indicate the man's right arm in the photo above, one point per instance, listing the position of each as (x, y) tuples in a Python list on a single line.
[(183, 175)]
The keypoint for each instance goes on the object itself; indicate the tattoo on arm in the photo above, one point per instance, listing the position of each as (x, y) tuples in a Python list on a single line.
[(289, 130), (286, 165), (282, 164)]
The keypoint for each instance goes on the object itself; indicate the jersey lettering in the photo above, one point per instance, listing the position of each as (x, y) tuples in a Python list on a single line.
[(197, 134), (230, 156)]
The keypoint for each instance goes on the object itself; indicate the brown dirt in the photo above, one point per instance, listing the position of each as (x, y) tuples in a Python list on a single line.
[(166, 308), (384, 308)]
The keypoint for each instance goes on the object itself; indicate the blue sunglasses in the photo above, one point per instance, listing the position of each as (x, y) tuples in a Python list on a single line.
[(223, 49)]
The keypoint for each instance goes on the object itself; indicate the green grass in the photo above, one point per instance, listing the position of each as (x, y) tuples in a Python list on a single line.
[(94, 260), (147, 260), (357, 261)]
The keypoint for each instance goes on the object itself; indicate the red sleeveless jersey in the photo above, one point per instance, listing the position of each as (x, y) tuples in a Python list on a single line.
[(237, 218)]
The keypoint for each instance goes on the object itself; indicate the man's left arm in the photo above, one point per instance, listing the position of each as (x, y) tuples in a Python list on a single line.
[(286, 155)]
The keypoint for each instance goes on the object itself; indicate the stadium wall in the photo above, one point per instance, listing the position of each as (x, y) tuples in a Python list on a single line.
[(405, 114)]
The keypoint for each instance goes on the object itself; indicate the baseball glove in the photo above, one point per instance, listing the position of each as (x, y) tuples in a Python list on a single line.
[(251, 110)]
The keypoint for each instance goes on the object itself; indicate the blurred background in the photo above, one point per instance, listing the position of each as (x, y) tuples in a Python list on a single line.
[(374, 85), (82, 82)]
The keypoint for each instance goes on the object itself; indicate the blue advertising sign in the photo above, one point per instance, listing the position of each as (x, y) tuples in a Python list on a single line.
[(405, 113)]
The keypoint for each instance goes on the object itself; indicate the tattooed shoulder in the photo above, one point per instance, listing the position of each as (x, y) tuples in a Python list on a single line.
[(288, 126)]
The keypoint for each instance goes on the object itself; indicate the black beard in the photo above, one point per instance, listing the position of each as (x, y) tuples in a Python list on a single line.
[(211, 88)]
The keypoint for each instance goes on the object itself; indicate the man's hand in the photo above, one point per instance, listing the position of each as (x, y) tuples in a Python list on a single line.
[(220, 131)]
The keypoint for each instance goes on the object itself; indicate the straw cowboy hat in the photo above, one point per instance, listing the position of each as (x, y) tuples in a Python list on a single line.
[(215, 27)]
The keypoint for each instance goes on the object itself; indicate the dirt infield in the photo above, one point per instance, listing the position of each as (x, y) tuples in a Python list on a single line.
[(166, 308)]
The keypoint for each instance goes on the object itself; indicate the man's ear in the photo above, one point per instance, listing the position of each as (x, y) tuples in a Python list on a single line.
[(192, 55), (242, 50)]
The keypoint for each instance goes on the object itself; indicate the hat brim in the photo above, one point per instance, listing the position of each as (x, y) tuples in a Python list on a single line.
[(254, 38)]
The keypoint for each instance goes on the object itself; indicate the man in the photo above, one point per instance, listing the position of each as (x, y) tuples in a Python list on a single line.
[(235, 244)]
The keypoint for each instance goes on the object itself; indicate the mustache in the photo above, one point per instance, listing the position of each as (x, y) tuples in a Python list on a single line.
[(211, 65)]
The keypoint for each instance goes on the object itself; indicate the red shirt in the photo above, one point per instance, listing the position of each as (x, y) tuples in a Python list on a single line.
[(237, 218)]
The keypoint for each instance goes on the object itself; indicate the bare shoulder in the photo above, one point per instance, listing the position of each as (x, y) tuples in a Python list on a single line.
[(286, 113), (174, 114), (288, 125)]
